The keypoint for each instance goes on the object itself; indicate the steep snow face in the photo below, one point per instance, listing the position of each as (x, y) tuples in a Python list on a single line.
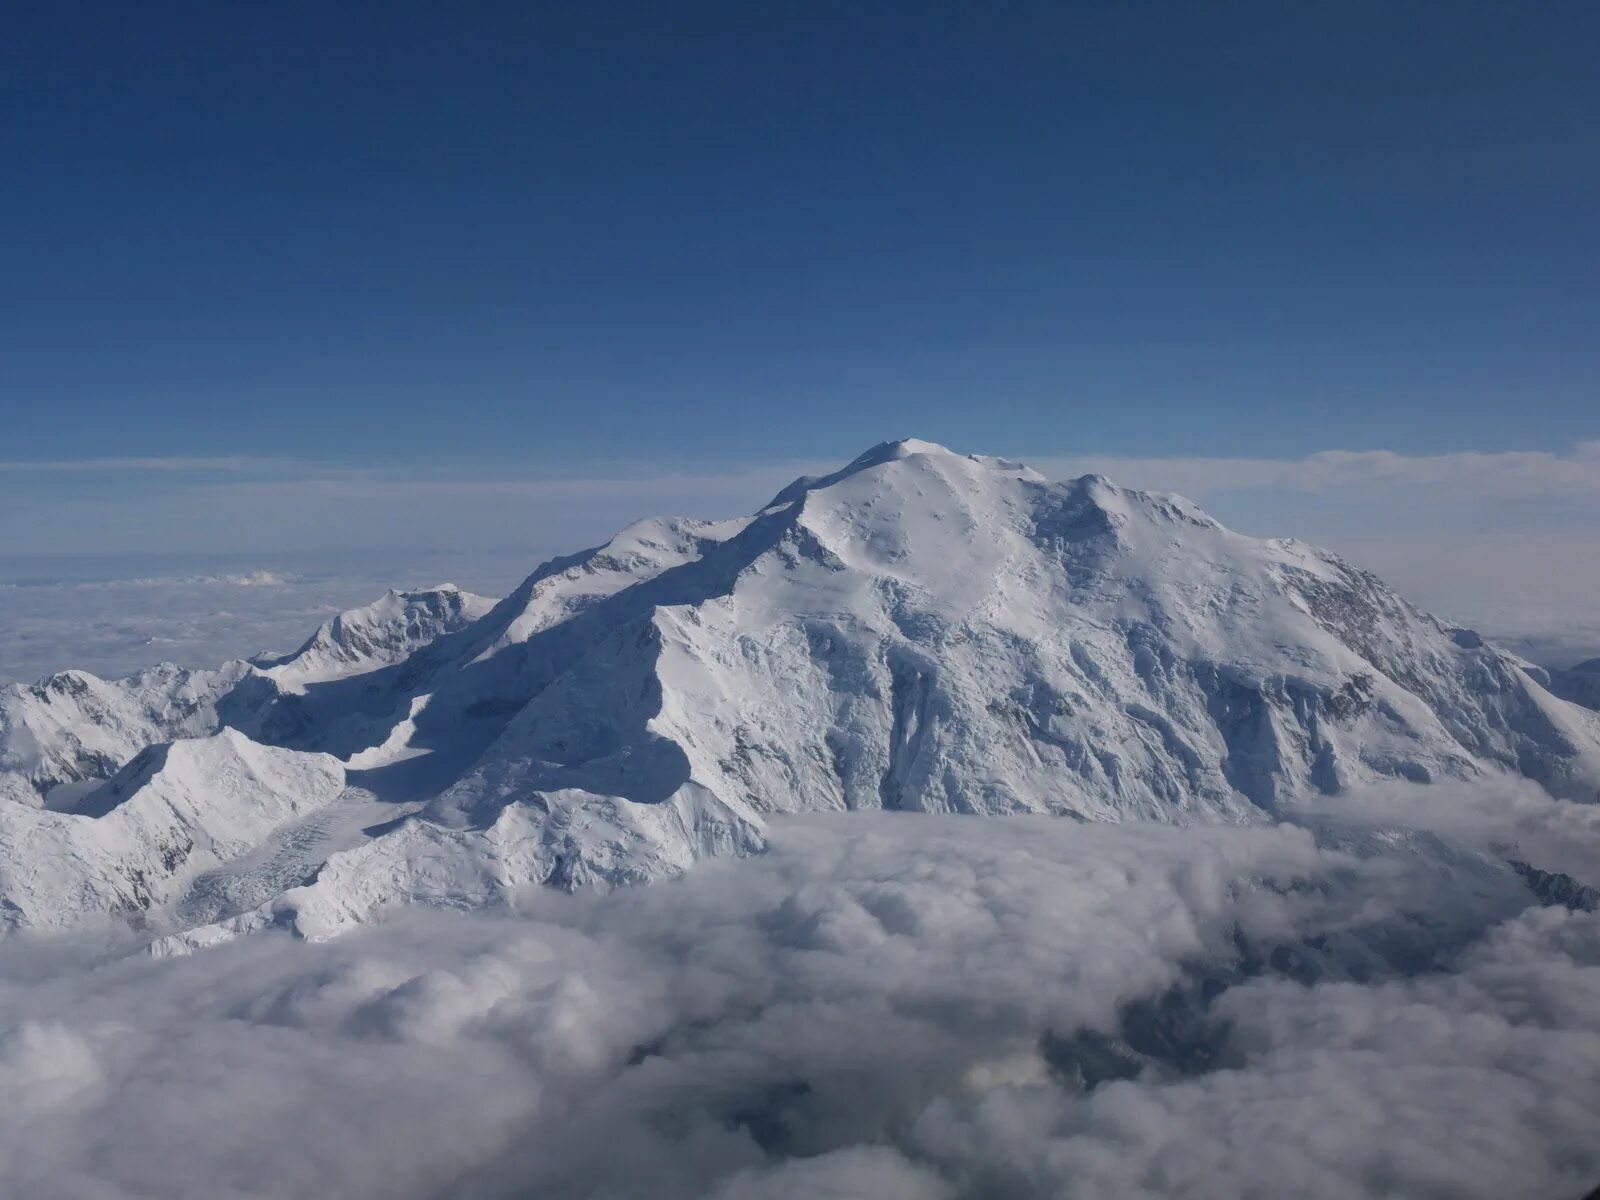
[(387, 631), (931, 631), (60, 736), (175, 811), (920, 630), (565, 587), (477, 677)]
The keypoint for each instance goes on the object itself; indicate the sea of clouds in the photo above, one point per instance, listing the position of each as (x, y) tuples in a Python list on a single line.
[(881, 1005), (114, 615)]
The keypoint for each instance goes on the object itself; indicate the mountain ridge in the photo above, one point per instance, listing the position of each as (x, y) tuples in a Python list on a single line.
[(919, 630)]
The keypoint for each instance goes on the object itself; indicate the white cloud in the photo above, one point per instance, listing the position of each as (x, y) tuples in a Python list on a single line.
[(1463, 1084), (882, 1006), (176, 464), (1505, 474)]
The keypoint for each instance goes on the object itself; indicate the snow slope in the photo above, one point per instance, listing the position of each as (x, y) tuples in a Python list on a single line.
[(933, 631), (386, 631), (76, 729), (921, 630), (61, 736), (171, 813)]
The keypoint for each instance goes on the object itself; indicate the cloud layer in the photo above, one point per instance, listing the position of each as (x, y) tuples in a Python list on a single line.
[(882, 1006), (1503, 475), (113, 617)]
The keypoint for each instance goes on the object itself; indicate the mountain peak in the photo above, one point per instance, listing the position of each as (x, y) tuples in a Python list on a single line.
[(919, 630), (899, 448), (377, 634), (883, 454)]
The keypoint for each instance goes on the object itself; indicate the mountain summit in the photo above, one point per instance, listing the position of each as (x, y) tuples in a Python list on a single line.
[(920, 630)]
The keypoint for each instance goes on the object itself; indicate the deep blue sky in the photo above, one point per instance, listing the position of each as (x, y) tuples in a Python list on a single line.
[(537, 236)]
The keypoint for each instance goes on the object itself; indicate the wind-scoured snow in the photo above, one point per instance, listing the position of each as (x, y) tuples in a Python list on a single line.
[(920, 631)]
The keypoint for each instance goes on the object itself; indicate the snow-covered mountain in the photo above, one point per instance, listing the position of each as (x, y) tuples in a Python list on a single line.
[(63, 735), (384, 632), (920, 630), (170, 814)]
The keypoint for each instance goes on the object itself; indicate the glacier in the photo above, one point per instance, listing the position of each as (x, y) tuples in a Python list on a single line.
[(920, 631)]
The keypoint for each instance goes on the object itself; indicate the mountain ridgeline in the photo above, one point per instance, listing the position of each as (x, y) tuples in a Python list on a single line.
[(921, 630)]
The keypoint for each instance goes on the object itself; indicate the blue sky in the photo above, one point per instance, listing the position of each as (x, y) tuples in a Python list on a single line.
[(537, 237), (425, 278)]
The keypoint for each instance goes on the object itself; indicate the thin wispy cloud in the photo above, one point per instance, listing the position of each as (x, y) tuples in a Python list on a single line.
[(744, 483), (1513, 473), (171, 464)]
